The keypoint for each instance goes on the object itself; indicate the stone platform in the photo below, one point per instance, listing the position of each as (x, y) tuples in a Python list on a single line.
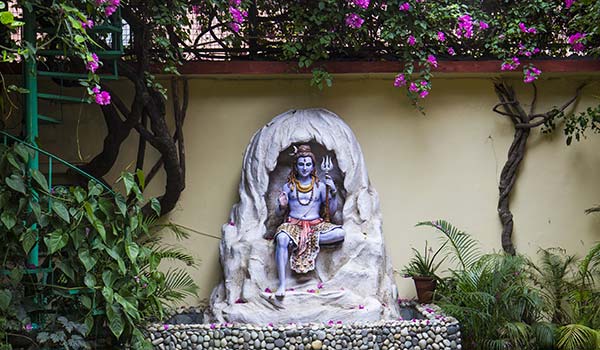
[(428, 330)]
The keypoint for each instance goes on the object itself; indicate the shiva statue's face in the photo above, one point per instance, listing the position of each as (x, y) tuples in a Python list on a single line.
[(304, 166)]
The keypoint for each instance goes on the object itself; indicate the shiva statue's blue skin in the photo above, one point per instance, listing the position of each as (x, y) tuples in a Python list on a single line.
[(288, 198)]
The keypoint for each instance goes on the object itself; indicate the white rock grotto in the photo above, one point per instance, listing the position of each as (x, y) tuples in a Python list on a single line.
[(355, 277)]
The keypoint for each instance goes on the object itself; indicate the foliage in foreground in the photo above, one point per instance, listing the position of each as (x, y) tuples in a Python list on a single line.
[(101, 253), (508, 302)]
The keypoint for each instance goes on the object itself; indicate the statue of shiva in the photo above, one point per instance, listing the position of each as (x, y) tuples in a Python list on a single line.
[(305, 230)]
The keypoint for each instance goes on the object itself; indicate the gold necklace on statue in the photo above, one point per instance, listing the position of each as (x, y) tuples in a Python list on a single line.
[(304, 189)]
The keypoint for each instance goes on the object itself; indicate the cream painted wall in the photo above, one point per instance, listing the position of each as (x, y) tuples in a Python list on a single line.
[(444, 164)]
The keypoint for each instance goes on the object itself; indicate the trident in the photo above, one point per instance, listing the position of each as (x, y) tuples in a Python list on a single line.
[(326, 166)]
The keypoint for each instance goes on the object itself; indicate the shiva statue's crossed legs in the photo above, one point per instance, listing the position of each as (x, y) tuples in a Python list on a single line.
[(282, 252)]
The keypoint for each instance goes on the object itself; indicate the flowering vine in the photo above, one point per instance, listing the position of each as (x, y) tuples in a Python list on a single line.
[(419, 33)]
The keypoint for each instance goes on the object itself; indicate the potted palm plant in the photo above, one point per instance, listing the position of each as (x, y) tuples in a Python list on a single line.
[(422, 268)]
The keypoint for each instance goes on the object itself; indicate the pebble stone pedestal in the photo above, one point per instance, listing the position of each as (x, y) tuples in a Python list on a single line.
[(435, 331)]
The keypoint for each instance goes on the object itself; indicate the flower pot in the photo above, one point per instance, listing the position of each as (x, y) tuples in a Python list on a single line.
[(425, 286)]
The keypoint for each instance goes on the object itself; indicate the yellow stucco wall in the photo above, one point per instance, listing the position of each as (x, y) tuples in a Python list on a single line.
[(444, 164)]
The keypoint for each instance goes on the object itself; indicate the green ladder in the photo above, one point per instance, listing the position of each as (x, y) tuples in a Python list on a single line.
[(32, 118)]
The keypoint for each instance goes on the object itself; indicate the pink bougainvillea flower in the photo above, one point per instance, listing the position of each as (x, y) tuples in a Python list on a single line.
[(240, 301), (213, 326), (87, 24), (441, 36), (400, 80), (575, 41), (236, 14), (512, 64), (320, 285), (465, 26), (96, 90), (411, 40), (423, 94), (569, 3), (354, 21), (360, 307), (268, 290), (338, 322), (103, 98), (531, 74), (330, 323), (451, 51), (235, 27), (195, 9), (166, 327), (404, 7), (483, 25), (270, 324), (413, 87), (290, 289), (100, 2), (235, 2), (93, 63), (523, 27), (311, 291), (28, 327), (109, 10), (432, 60), (231, 223), (362, 3)]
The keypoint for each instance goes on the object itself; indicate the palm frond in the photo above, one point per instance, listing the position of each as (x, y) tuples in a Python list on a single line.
[(175, 253), (590, 262), (464, 249), (518, 333), (577, 337), (178, 285), (496, 344), (544, 334)]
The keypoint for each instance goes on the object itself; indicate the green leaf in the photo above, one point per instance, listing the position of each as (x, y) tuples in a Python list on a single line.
[(39, 178), (108, 294), (89, 323), (121, 204), (56, 241), (6, 18), (100, 228), (16, 183), (59, 208), (129, 308), (66, 269), (106, 207), (79, 194), (141, 179), (94, 189), (29, 239), (5, 298), (8, 219), (79, 39), (22, 152), (115, 319), (37, 212), (89, 280), (155, 205), (132, 251), (108, 278), (88, 260), (16, 275), (122, 267), (129, 182)]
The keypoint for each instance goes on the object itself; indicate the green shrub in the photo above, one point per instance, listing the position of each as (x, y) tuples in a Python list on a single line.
[(102, 250)]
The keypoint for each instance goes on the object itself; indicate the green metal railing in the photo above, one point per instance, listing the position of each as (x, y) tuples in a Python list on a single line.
[(53, 158)]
